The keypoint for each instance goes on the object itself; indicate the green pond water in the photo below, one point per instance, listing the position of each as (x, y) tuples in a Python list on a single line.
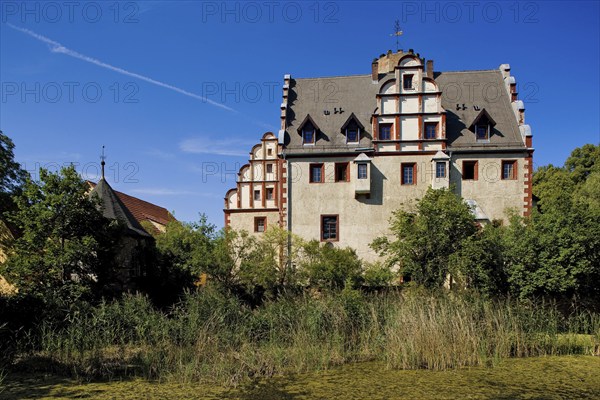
[(570, 377)]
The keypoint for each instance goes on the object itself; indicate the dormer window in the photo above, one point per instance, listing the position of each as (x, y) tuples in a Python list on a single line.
[(308, 129), (352, 129), (352, 134), (482, 126), (482, 132), (308, 134), (407, 81)]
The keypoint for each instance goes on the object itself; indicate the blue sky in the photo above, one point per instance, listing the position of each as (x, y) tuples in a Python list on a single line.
[(179, 91)]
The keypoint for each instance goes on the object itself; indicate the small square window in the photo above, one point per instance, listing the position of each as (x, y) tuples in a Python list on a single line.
[(482, 132), (362, 171), (385, 131), (257, 195), (431, 130), (269, 168), (470, 170), (269, 152), (409, 173), (329, 228), (341, 172), (260, 224), (316, 173), (407, 81), (269, 193), (509, 170), (440, 169), (352, 135)]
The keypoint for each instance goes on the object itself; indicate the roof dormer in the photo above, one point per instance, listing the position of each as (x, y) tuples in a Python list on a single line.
[(482, 125), (308, 130), (352, 129)]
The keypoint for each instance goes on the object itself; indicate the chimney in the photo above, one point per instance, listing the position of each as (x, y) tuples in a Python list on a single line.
[(375, 70), (430, 69)]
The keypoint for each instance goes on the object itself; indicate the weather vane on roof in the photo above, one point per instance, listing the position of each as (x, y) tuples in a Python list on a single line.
[(397, 33), (102, 161)]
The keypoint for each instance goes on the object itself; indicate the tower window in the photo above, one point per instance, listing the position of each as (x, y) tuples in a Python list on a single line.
[(431, 130), (385, 131), (407, 81), (269, 193), (269, 168), (257, 195)]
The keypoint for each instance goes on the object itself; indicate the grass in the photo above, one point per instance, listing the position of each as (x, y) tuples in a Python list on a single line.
[(564, 377), (212, 338)]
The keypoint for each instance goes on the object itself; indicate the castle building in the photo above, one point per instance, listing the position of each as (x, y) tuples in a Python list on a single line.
[(352, 149)]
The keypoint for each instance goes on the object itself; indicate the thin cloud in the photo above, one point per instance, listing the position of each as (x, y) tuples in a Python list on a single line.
[(59, 48), (229, 147)]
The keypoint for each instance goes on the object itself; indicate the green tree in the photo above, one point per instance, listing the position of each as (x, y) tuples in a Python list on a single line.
[(329, 267), (12, 176), (425, 240), (479, 262), (58, 255), (556, 252), (189, 247)]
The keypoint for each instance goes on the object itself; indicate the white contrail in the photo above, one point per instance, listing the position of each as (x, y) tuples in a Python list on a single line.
[(59, 48)]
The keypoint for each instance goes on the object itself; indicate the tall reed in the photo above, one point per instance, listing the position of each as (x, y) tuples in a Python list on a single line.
[(211, 336)]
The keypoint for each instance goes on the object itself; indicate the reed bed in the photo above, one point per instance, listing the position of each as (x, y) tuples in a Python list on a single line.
[(212, 337)]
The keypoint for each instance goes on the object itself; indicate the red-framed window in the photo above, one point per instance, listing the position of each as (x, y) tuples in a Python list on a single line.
[(409, 173)]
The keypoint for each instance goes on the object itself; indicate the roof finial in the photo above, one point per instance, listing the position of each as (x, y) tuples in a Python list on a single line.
[(102, 162), (397, 33)]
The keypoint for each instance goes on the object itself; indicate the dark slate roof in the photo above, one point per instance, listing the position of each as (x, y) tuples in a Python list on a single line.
[(485, 90), (113, 208), (353, 94), (357, 94)]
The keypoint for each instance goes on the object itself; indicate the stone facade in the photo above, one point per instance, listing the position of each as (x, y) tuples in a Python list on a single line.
[(353, 149)]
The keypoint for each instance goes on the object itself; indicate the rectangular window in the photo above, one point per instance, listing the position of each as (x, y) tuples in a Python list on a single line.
[(407, 81), (260, 224), (316, 173), (385, 131), (269, 168), (482, 132), (329, 228), (257, 195), (270, 152), (509, 170), (409, 173), (440, 169), (352, 135), (341, 172), (362, 171), (269, 193), (308, 135), (470, 170), (431, 130)]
